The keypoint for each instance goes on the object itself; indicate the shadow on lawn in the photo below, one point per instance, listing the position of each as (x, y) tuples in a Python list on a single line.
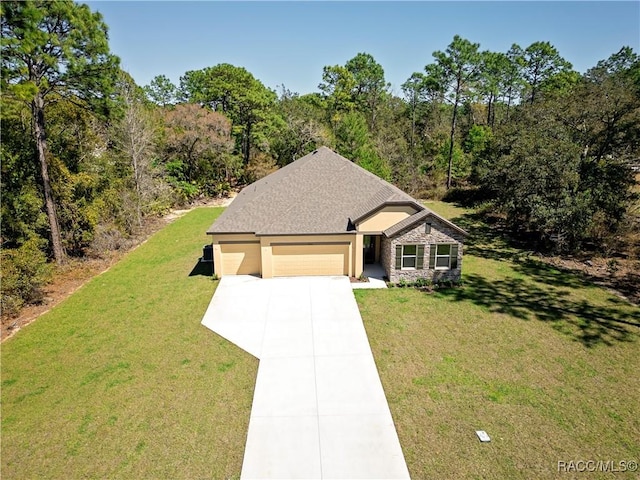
[(204, 269), (488, 238), (543, 292), (587, 323)]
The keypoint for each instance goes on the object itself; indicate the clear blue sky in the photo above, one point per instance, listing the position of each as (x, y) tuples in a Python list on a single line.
[(289, 42)]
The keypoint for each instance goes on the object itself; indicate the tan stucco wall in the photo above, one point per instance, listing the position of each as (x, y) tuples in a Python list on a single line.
[(385, 218), (357, 256)]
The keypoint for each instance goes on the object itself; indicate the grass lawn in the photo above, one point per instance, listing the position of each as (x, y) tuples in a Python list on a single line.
[(546, 364), (122, 381)]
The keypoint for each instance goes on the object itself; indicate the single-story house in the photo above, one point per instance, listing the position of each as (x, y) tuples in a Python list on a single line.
[(325, 215)]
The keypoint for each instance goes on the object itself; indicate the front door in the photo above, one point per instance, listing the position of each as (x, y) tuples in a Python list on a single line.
[(369, 249)]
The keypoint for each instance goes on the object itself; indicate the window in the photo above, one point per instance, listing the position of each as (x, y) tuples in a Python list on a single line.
[(409, 257), (443, 256)]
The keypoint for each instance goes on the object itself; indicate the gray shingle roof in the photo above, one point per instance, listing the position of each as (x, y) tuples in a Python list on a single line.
[(318, 194)]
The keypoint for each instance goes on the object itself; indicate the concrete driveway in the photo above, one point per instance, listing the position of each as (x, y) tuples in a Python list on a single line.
[(319, 410)]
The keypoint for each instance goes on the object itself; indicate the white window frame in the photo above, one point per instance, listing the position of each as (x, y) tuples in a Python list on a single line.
[(413, 255), (442, 255)]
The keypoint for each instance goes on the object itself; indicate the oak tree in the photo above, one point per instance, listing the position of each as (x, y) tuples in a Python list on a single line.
[(197, 149), (235, 92)]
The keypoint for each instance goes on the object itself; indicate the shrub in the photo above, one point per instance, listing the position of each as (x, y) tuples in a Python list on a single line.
[(24, 271), (426, 284), (108, 238), (184, 191), (422, 282)]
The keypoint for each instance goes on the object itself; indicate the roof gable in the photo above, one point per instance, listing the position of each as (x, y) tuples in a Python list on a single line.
[(423, 215)]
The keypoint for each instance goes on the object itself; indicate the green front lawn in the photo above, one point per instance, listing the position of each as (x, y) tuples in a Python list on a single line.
[(122, 381), (544, 362)]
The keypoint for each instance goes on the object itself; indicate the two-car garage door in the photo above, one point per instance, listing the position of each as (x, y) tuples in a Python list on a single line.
[(291, 260), (288, 260)]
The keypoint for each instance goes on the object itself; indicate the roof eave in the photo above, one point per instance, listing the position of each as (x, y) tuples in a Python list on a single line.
[(305, 234), (209, 232)]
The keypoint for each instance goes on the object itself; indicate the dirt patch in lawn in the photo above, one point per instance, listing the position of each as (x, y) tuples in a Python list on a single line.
[(76, 272)]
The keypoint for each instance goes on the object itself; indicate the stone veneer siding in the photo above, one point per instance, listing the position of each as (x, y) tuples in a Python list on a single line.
[(415, 235)]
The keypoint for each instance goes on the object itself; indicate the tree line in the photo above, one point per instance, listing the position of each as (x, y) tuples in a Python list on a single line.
[(87, 155)]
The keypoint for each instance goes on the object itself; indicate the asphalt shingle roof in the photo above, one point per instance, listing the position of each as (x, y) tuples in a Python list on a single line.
[(318, 194)]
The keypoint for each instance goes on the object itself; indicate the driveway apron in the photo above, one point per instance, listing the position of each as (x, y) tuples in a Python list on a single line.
[(319, 410)]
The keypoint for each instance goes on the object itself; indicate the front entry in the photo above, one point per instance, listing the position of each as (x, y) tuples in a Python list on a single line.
[(369, 249)]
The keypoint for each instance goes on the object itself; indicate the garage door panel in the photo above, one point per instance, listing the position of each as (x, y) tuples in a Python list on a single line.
[(318, 259), (240, 258)]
